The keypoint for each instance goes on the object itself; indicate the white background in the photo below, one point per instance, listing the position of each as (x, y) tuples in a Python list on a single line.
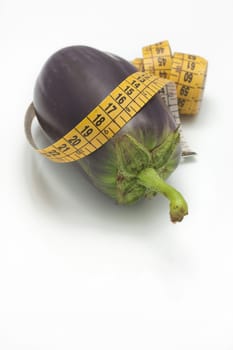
[(78, 271)]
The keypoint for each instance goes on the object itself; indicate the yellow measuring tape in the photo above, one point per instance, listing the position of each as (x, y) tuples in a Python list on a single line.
[(128, 98), (187, 71), (104, 121)]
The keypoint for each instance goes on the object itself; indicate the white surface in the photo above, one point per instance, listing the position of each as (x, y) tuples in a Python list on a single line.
[(77, 271)]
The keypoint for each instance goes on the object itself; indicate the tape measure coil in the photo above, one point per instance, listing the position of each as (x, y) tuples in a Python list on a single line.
[(188, 72)]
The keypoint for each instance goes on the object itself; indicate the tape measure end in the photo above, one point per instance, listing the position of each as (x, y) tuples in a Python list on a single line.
[(186, 154)]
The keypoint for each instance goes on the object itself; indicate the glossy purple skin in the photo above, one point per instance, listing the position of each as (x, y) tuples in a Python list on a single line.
[(73, 82)]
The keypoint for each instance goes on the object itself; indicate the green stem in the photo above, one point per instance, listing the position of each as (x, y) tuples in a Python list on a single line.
[(152, 181)]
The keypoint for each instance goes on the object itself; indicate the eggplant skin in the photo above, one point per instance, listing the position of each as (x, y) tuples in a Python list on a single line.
[(71, 84), (76, 79)]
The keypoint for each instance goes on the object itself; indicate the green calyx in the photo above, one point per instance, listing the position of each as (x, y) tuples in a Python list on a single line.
[(161, 154), (141, 172)]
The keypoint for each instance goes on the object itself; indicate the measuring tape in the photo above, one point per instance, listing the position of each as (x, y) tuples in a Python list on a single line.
[(127, 99), (188, 72), (104, 121)]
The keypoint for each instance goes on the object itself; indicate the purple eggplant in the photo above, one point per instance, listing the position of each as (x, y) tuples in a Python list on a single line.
[(137, 160)]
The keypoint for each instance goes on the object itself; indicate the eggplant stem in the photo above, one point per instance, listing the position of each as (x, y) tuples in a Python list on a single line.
[(150, 179)]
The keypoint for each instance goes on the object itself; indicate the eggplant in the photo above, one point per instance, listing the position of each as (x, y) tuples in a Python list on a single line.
[(135, 162)]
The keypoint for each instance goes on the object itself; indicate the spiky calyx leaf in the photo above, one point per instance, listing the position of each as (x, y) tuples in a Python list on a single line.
[(141, 172)]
